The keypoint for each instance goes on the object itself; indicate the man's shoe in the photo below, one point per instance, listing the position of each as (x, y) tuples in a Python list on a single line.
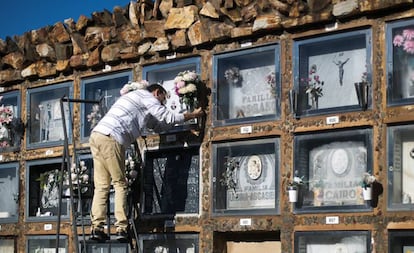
[(98, 235), (122, 236)]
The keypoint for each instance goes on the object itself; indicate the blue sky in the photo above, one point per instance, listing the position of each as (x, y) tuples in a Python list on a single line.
[(20, 16)]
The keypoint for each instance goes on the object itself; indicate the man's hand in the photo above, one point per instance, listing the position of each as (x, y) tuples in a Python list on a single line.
[(199, 112)]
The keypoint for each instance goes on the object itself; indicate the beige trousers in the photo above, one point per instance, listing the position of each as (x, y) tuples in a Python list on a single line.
[(108, 164)]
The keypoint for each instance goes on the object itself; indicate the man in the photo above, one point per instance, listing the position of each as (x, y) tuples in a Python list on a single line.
[(126, 120)]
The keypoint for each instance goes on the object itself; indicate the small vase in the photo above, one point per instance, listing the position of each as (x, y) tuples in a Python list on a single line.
[(293, 194), (367, 193), (315, 103)]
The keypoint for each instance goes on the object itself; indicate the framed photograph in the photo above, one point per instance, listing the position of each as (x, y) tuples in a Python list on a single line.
[(42, 188), (400, 164), (11, 126), (329, 66), (332, 241), (400, 62), (165, 74), (401, 241), (9, 187), (106, 89), (332, 165), (171, 181), (46, 244), (168, 242), (246, 85), (244, 177), (7, 245), (45, 119)]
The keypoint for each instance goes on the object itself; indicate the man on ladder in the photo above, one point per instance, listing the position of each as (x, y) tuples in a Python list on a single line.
[(125, 121)]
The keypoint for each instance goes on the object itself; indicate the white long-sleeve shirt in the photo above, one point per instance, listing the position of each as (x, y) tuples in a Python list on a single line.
[(132, 113)]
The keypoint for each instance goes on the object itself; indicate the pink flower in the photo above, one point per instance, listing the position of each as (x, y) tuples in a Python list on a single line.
[(398, 41), (409, 46), (408, 34)]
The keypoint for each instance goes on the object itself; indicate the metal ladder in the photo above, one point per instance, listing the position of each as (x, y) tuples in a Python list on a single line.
[(66, 166)]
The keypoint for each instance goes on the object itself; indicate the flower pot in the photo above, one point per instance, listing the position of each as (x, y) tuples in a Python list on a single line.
[(367, 193), (293, 194)]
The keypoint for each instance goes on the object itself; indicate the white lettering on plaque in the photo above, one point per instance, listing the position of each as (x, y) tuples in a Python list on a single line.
[(253, 97), (335, 173), (255, 186)]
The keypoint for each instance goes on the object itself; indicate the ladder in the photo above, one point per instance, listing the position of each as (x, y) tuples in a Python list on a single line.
[(65, 166)]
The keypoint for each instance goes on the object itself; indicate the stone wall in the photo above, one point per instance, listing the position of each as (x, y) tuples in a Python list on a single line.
[(145, 30)]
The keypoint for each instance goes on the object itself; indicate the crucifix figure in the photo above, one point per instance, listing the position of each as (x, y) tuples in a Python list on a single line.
[(340, 65)]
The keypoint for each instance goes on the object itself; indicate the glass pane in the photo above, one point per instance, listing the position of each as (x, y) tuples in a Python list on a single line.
[(245, 176), (401, 62), (165, 74), (401, 241), (7, 245), (102, 88), (45, 244), (247, 85), (9, 188), (400, 164), (168, 243), (171, 182), (43, 189), (328, 67), (332, 241), (11, 126), (332, 166), (45, 121)]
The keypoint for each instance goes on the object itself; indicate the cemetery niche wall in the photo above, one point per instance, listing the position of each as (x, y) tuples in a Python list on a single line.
[(316, 94)]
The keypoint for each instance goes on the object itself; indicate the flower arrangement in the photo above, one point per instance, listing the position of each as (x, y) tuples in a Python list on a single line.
[(95, 116), (228, 178), (186, 84), (80, 177), (131, 86), (296, 181), (367, 180), (405, 41), (271, 81), (233, 76), (313, 83)]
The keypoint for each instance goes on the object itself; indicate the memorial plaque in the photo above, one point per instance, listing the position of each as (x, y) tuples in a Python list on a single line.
[(45, 116), (329, 66), (50, 120), (247, 85), (9, 188), (332, 166), (42, 188), (245, 175), (332, 241), (171, 182), (256, 183), (336, 171)]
